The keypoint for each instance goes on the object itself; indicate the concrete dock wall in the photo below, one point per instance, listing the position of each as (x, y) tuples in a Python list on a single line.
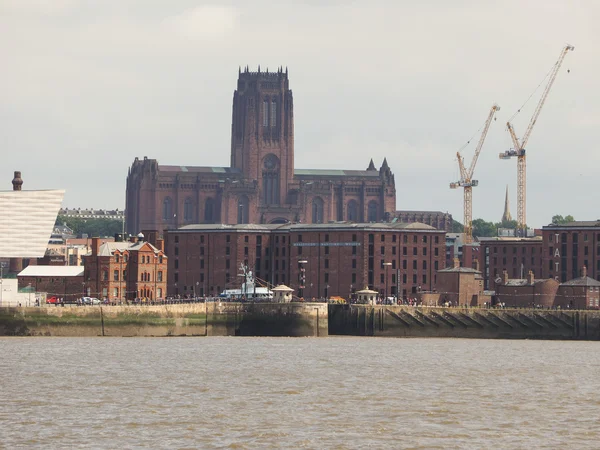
[(196, 319), (406, 321)]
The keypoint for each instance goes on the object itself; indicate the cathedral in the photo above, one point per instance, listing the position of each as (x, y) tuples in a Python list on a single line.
[(261, 184)]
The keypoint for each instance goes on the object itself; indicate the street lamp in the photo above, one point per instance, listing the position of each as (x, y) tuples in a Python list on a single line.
[(387, 266), (301, 278), (155, 264)]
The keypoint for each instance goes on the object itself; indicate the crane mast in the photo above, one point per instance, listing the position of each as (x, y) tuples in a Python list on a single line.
[(519, 147), (466, 178)]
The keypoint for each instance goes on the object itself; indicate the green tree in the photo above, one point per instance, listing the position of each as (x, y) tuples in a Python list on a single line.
[(481, 228), (457, 227), (559, 220), (91, 227)]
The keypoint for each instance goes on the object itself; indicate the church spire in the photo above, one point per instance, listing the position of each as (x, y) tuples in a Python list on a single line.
[(506, 217), (371, 165)]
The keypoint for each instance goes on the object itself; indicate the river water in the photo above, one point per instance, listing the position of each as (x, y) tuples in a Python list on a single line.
[(184, 393)]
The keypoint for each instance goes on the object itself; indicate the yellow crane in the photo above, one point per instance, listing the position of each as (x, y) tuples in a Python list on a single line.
[(519, 147), (466, 178)]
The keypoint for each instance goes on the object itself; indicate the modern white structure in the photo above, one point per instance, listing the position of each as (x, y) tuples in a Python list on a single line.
[(27, 221)]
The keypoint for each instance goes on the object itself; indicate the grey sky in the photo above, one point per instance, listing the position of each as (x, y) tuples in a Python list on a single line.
[(88, 85)]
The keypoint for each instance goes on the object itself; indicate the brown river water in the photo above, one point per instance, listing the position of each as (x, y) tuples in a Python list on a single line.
[(186, 393)]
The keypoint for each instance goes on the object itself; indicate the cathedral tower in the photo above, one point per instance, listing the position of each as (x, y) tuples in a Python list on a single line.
[(262, 133)]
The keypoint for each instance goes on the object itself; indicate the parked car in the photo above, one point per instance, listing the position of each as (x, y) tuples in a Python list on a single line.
[(52, 300), (90, 301)]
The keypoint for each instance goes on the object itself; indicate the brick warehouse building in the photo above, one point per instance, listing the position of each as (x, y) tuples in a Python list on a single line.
[(126, 270), (569, 247), (517, 256), (334, 259), (261, 185)]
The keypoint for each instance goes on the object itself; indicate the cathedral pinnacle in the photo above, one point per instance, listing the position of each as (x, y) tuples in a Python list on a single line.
[(506, 217), (371, 165)]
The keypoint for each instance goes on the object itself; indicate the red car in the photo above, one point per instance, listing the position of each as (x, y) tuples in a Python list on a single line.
[(52, 300)]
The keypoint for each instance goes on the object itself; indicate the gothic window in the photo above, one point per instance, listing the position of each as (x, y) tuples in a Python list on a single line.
[(187, 210), (372, 211), (352, 211), (270, 181), (273, 113), (317, 210), (167, 209), (209, 211), (243, 209), (265, 113)]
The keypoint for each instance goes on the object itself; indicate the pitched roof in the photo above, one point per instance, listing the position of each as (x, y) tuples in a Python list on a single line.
[(460, 269), (581, 281), (52, 271), (108, 248)]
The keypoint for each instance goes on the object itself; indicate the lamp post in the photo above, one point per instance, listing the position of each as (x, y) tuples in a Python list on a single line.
[(387, 266), (301, 278)]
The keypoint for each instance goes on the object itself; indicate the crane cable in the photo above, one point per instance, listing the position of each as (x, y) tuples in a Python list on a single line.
[(534, 91)]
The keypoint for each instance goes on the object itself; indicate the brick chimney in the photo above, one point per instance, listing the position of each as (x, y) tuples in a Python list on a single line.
[(476, 265), (583, 272), (530, 277), (504, 277), (160, 244), (456, 263), (95, 246)]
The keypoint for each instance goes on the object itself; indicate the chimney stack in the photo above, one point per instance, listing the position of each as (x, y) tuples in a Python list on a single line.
[(476, 265), (95, 246), (530, 277), (17, 182), (456, 263), (583, 272), (504, 277)]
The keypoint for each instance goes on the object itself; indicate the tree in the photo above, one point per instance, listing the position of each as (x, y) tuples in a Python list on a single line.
[(91, 227), (481, 228), (457, 227), (560, 220)]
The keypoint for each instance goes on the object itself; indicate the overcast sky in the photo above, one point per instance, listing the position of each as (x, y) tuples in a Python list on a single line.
[(86, 86)]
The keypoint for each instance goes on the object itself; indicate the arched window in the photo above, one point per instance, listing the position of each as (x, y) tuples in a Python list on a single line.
[(372, 212), (317, 210), (352, 211), (187, 210), (270, 180), (243, 209), (167, 209), (266, 112), (273, 113), (209, 210)]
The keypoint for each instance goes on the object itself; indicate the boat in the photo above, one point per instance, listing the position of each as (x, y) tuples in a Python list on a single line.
[(248, 290)]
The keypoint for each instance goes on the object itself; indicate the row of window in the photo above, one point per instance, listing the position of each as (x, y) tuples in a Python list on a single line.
[(144, 276)]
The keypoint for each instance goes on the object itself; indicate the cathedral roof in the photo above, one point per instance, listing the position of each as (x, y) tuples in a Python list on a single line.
[(199, 169), (247, 227), (301, 173)]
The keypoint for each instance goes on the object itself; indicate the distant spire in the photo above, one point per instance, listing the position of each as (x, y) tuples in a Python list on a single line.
[(506, 217), (371, 165), (385, 164)]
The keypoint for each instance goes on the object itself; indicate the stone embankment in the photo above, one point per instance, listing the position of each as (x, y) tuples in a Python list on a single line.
[(196, 319), (407, 321)]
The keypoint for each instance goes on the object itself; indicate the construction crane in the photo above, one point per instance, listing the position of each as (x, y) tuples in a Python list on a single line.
[(466, 178), (519, 147)]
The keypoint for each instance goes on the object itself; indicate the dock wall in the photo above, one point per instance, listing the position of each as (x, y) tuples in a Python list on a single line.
[(196, 319), (406, 321)]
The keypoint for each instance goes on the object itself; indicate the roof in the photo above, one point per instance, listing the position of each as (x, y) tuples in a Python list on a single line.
[(108, 248), (282, 288), (522, 240), (301, 173), (575, 224), (582, 281), (366, 290), (516, 282), (460, 270), (249, 227), (199, 169), (423, 212), (27, 222), (52, 271)]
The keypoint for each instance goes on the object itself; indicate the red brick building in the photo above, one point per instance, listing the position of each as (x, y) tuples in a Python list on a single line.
[(569, 247), (261, 185), (517, 256), (319, 260), (121, 270), (65, 282), (525, 292), (460, 286)]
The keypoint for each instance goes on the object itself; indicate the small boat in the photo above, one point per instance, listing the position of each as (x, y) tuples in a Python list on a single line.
[(249, 290)]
